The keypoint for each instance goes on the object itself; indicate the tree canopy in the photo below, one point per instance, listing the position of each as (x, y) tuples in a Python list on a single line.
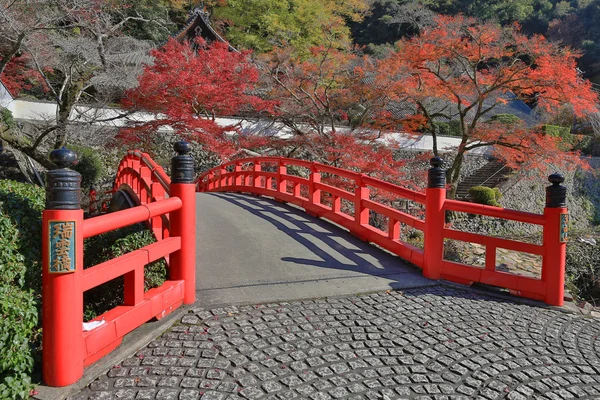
[(262, 24), (468, 68)]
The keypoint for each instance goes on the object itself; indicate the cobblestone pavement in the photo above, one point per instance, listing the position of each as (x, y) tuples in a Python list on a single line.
[(431, 343)]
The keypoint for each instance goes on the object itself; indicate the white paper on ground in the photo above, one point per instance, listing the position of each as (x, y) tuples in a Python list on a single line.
[(88, 326)]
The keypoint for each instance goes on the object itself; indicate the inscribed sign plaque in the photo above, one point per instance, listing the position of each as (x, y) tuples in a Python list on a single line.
[(564, 227), (62, 246)]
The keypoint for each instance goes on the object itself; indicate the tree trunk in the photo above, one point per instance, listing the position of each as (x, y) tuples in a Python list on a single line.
[(21, 145), (453, 173)]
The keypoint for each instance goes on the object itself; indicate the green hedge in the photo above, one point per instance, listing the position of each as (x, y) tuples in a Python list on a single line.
[(508, 119), (21, 208), (485, 195)]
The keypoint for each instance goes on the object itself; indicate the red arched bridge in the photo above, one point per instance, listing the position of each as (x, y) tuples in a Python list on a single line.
[(238, 235)]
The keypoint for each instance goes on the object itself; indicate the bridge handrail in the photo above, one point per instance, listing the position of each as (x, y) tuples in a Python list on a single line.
[(156, 169), (248, 176), (168, 207), (119, 219)]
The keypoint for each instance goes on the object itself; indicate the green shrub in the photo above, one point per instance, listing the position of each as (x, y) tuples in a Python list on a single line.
[(6, 118), (497, 193), (507, 119), (568, 141), (485, 195), (108, 246), (583, 268), (451, 128), (89, 165), (21, 208)]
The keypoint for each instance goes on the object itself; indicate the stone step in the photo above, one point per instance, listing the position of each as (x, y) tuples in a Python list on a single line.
[(490, 175)]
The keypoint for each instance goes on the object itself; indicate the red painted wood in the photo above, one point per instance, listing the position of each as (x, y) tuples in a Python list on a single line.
[(549, 288), (118, 219), (111, 269), (62, 308)]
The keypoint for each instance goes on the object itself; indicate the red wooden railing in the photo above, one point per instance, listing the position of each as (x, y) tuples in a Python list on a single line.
[(169, 209), (268, 176)]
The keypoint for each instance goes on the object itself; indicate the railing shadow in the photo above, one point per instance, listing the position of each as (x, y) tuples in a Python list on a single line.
[(335, 246)]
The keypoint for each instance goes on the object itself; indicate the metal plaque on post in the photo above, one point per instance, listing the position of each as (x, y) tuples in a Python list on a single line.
[(564, 228), (62, 246)]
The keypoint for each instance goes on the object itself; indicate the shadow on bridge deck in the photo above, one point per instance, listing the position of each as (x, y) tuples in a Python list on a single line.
[(255, 250)]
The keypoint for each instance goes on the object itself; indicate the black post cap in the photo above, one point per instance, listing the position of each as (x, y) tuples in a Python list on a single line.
[(63, 186), (182, 147), (182, 165), (436, 177), (556, 194), (63, 157)]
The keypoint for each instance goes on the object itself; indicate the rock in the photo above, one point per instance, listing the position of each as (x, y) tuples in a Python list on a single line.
[(595, 314), (584, 305), (568, 296)]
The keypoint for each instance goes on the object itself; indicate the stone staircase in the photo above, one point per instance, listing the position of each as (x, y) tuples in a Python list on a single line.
[(491, 175)]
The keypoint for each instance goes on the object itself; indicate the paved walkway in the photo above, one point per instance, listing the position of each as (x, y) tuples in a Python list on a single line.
[(253, 250), (427, 343)]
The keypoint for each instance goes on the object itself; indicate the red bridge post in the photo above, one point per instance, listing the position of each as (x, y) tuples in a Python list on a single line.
[(183, 221), (435, 195), (62, 263), (555, 240)]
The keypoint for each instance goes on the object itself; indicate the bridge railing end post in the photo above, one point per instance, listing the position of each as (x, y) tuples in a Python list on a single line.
[(555, 240), (183, 221), (435, 196), (63, 349)]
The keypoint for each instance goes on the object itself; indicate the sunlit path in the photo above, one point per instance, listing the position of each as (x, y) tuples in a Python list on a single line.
[(253, 249)]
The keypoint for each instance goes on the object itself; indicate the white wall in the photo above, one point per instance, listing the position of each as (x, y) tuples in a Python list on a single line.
[(33, 110)]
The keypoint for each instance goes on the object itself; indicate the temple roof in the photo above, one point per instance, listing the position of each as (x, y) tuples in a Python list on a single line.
[(198, 24)]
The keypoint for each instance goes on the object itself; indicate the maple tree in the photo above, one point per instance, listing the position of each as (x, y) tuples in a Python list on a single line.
[(185, 88), (462, 69), (325, 100)]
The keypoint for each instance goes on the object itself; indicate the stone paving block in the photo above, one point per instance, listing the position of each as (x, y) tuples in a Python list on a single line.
[(430, 343)]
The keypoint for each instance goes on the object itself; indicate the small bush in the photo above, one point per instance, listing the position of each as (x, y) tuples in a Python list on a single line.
[(90, 165), (507, 119), (6, 118), (21, 208), (451, 128), (485, 195)]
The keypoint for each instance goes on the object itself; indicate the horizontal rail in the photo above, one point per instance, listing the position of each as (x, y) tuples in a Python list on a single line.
[(494, 241), (119, 219), (394, 214), (498, 212), (341, 193), (119, 266), (390, 187)]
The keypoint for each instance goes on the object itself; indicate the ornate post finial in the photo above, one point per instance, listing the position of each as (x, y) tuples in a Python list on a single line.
[(63, 185), (436, 174), (182, 165), (556, 194)]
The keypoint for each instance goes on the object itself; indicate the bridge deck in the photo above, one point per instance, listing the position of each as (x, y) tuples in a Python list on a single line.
[(254, 250)]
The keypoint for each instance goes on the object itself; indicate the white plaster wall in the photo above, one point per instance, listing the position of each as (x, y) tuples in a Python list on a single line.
[(32, 110)]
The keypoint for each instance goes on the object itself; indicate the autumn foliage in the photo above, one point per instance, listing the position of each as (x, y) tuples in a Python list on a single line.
[(338, 106), (187, 88), (470, 69)]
